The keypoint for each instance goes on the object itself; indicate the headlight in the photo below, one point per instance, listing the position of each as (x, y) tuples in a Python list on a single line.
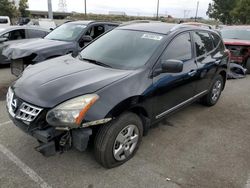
[(71, 112)]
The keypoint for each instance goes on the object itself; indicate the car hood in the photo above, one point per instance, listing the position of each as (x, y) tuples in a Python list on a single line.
[(237, 42), (40, 47), (49, 83)]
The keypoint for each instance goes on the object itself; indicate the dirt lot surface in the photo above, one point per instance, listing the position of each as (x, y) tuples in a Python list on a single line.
[(196, 147)]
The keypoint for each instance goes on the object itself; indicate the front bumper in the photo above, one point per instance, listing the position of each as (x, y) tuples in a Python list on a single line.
[(52, 141), (32, 120)]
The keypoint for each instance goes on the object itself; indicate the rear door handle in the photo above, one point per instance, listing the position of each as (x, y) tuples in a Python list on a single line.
[(192, 73)]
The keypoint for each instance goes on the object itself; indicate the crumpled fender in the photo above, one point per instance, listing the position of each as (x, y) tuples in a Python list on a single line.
[(236, 71), (42, 48)]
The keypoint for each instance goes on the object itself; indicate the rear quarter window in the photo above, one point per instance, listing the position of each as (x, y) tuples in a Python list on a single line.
[(36, 33), (109, 27)]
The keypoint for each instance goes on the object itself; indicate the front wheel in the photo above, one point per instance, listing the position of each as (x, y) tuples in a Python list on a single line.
[(212, 97), (118, 141)]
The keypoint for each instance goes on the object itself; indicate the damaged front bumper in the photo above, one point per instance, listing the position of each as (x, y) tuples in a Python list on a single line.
[(52, 141)]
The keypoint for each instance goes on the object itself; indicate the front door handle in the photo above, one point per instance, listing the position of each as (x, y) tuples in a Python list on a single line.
[(192, 73)]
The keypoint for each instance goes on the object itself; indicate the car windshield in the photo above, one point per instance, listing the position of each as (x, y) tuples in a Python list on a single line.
[(241, 34), (66, 32), (123, 49)]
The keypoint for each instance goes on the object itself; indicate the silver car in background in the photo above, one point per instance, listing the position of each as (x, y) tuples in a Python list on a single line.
[(18, 34)]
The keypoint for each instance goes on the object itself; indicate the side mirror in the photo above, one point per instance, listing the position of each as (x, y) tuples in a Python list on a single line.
[(86, 38), (171, 66), (51, 29), (3, 39)]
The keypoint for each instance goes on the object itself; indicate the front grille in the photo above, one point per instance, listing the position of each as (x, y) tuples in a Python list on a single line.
[(27, 112), (21, 110)]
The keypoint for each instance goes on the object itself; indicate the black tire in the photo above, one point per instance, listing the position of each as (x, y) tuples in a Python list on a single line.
[(248, 66), (209, 99), (106, 139)]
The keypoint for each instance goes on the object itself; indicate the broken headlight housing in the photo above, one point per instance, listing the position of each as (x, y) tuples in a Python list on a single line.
[(72, 112)]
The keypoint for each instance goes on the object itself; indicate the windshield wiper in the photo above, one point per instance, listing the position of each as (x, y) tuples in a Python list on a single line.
[(94, 62)]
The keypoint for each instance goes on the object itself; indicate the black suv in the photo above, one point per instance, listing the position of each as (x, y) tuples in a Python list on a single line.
[(68, 38), (118, 86)]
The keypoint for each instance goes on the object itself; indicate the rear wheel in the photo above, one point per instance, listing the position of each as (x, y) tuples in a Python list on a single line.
[(117, 142), (214, 93), (248, 66)]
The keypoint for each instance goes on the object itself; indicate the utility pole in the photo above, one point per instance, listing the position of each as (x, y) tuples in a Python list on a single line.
[(197, 8), (85, 5), (50, 13), (157, 14)]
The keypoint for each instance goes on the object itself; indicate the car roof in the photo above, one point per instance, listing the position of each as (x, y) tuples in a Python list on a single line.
[(10, 28), (87, 22), (161, 28)]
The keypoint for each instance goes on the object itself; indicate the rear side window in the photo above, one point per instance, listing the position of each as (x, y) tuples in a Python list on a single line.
[(203, 43), (3, 21), (179, 49), (218, 43), (36, 33), (109, 27)]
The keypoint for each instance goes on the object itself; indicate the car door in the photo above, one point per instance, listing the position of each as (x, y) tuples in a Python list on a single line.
[(206, 60), (173, 90)]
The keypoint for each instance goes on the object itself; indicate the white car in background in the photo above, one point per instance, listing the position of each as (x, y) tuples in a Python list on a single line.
[(4, 21), (43, 23)]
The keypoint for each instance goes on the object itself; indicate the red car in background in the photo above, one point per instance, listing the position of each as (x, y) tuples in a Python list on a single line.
[(237, 40)]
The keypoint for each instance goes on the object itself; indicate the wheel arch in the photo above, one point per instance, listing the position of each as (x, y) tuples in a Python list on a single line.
[(223, 73), (132, 104)]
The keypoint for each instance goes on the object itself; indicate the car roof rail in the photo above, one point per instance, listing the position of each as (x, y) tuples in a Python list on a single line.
[(138, 21)]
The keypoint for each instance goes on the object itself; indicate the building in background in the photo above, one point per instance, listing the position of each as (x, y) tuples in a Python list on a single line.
[(117, 13)]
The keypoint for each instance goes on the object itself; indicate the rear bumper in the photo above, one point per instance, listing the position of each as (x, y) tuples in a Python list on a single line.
[(52, 141)]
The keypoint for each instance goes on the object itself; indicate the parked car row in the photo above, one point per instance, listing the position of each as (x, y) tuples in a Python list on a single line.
[(17, 34), (69, 38), (113, 88)]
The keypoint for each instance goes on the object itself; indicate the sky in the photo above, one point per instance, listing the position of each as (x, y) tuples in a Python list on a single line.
[(175, 8)]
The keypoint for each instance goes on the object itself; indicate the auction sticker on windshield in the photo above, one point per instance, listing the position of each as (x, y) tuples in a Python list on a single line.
[(151, 36)]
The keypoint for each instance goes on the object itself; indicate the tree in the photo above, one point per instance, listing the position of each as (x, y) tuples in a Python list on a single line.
[(8, 8), (221, 10), (241, 12), (23, 6)]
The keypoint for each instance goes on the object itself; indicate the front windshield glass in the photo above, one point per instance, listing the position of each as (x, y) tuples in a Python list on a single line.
[(123, 49), (66, 32), (241, 34)]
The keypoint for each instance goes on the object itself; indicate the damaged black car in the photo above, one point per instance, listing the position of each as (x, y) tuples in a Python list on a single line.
[(117, 87), (68, 38)]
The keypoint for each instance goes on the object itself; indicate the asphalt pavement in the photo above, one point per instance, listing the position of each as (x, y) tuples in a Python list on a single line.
[(196, 147)]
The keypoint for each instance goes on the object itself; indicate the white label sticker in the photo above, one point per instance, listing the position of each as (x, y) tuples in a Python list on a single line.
[(151, 37)]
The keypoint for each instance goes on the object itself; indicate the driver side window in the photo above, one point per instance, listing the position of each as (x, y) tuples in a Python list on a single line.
[(179, 49)]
